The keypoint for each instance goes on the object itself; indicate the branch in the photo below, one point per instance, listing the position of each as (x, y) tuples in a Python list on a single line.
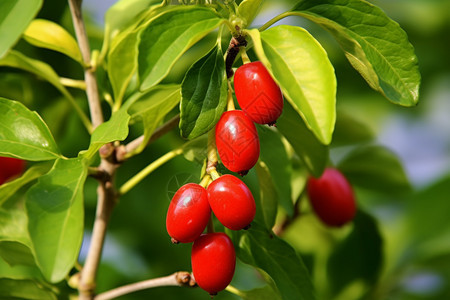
[(176, 279), (122, 153), (89, 75)]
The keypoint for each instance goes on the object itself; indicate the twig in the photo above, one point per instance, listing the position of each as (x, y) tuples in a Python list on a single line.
[(89, 76), (122, 154), (232, 52), (176, 279)]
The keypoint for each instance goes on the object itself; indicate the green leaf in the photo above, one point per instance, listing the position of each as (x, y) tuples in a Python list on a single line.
[(19, 271), (23, 134), (168, 36), (14, 18), (350, 130), (301, 67), (24, 289), (274, 155), (8, 189), (266, 210), (248, 9), (374, 44), (262, 249), (358, 257), (376, 168), (14, 238), (56, 217), (122, 62), (196, 149), (17, 60), (203, 94), (152, 106), (124, 13), (313, 153), (47, 34)]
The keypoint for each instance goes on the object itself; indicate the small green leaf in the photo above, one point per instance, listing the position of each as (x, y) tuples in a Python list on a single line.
[(17, 60), (46, 34), (19, 271), (374, 44), (168, 36), (262, 249), (152, 106), (203, 94), (56, 217), (313, 153), (24, 289), (301, 67), (9, 188), (266, 210), (350, 130), (122, 62), (376, 168), (248, 9), (358, 257), (196, 149), (23, 134), (15, 15), (274, 155)]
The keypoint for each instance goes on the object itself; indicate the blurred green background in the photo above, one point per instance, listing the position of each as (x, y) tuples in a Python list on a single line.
[(414, 227)]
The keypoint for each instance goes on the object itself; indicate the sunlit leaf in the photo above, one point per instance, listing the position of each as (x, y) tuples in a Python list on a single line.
[(266, 210), (47, 34), (248, 9), (374, 44), (301, 67), (24, 289), (23, 134)]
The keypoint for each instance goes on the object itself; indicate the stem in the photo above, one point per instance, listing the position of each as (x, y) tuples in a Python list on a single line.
[(176, 279), (148, 170), (210, 227), (230, 101), (205, 181), (244, 56), (89, 76), (135, 144), (73, 83), (275, 19)]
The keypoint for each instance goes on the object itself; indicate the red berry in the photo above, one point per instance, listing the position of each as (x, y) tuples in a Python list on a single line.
[(332, 197), (257, 93), (237, 141), (188, 213), (10, 167), (232, 202), (213, 261)]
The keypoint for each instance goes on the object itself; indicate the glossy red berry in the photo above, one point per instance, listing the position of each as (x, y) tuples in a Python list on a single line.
[(257, 93), (237, 141), (188, 213), (332, 197), (231, 202), (213, 261), (10, 167)]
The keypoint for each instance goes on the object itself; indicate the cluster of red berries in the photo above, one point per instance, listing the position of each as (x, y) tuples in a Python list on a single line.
[(261, 101), (332, 198), (10, 168), (213, 258)]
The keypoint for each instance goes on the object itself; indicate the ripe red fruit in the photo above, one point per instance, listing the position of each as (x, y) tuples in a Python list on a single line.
[(232, 202), (257, 93), (10, 167), (237, 141), (213, 261), (332, 197), (188, 213)]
